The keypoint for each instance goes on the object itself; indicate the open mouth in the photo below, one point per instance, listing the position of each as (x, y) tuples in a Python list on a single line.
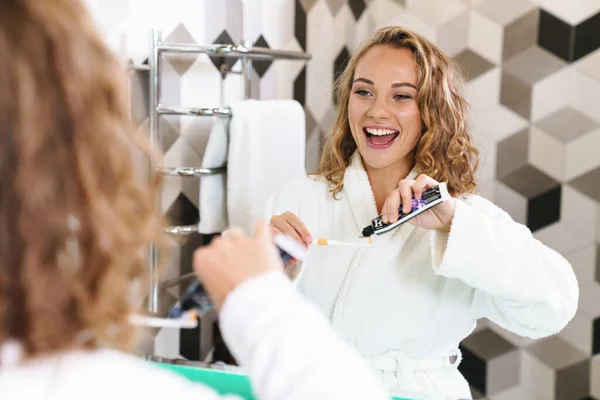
[(380, 137)]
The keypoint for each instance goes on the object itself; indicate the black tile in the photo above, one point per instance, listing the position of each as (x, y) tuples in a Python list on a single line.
[(556, 36), (224, 38), (596, 336), (474, 369), (339, 65), (587, 37), (357, 7), (544, 209), (300, 25), (189, 343), (261, 67), (300, 87), (182, 212)]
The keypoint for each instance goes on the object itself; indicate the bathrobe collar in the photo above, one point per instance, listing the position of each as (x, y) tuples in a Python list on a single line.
[(359, 193)]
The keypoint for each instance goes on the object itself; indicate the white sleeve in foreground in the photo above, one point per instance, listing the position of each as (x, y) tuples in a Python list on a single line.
[(288, 349)]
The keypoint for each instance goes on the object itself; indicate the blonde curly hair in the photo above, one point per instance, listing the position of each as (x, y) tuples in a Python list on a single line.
[(75, 217), (445, 150)]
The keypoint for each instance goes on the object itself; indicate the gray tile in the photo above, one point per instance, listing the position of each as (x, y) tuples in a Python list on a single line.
[(311, 124), (598, 263), (308, 4), (503, 372), (520, 34), (515, 94), (504, 11), (588, 184), (573, 382), (533, 65), (180, 62), (335, 5), (556, 353), (487, 344), (168, 132), (472, 64), (512, 153), (567, 124), (529, 181)]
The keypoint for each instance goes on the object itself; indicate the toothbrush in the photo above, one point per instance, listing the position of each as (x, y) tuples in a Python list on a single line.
[(188, 320), (366, 241)]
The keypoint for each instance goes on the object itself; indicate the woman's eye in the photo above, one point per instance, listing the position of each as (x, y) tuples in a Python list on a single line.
[(402, 97), (362, 92)]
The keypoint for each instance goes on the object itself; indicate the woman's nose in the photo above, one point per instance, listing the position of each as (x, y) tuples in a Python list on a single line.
[(378, 109)]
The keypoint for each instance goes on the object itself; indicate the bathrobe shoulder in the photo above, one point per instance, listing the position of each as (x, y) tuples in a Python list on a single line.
[(508, 275)]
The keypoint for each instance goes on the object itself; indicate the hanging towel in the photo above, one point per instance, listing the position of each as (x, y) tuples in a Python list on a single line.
[(267, 149), (213, 188)]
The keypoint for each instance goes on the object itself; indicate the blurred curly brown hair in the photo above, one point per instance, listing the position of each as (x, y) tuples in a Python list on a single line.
[(445, 151), (75, 216)]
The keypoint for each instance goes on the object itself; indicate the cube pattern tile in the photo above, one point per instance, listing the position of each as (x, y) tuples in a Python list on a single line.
[(533, 80)]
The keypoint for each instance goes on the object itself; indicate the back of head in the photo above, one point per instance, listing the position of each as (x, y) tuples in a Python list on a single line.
[(74, 216), (445, 150)]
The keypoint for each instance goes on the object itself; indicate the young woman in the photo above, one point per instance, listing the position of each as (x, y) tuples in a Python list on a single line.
[(408, 300), (74, 223)]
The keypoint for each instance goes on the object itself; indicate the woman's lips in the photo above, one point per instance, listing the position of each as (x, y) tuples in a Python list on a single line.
[(380, 138)]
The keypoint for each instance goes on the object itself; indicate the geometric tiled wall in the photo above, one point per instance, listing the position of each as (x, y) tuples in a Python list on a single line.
[(533, 71)]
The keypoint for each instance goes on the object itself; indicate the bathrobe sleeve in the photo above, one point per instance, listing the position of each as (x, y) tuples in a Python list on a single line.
[(519, 283), (288, 349)]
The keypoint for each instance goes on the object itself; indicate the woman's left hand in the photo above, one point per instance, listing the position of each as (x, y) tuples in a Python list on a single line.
[(438, 217)]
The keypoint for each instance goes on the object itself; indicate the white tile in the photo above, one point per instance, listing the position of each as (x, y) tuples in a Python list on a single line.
[(200, 85), (583, 262), (498, 122), (166, 343), (453, 36), (590, 65), (485, 36), (354, 33), (435, 12), (414, 23), (561, 237), (582, 155), (511, 201), (578, 333), (383, 11), (504, 11), (595, 378), (312, 151), (277, 22), (346, 27), (551, 94), (579, 211), (483, 92), (319, 79), (536, 377), (486, 188), (585, 95), (573, 11), (547, 153), (487, 156), (287, 72)]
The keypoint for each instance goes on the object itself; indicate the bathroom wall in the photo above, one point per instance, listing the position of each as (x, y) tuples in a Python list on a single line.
[(533, 70)]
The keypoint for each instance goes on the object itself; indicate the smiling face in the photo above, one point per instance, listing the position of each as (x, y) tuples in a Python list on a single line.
[(383, 111)]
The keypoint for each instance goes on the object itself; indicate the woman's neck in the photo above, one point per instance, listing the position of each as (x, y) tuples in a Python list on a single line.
[(384, 180)]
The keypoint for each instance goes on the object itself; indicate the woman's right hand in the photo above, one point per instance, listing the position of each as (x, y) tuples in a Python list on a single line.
[(290, 225)]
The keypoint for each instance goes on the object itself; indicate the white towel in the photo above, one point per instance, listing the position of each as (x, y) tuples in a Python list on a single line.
[(213, 200), (267, 149)]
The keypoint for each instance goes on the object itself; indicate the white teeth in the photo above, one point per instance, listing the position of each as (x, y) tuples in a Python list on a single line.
[(380, 132)]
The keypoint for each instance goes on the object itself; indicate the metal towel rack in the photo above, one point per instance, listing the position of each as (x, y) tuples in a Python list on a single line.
[(247, 54)]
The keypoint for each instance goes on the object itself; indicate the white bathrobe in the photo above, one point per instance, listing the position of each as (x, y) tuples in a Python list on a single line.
[(406, 301)]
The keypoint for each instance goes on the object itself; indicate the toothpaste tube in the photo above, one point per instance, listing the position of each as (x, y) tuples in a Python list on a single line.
[(430, 198)]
